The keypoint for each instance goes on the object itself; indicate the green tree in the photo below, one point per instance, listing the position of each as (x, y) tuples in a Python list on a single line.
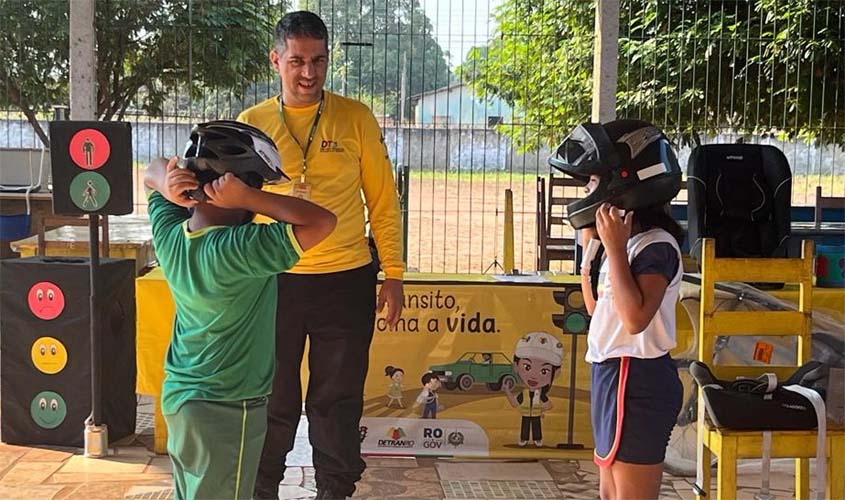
[(373, 42), (145, 49), (770, 67)]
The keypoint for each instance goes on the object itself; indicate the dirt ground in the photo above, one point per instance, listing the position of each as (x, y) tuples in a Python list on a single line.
[(456, 226), (456, 223)]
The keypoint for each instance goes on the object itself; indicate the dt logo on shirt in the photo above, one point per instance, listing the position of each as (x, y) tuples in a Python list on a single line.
[(330, 146)]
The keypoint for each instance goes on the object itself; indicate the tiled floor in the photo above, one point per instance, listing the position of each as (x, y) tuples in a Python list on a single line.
[(134, 472)]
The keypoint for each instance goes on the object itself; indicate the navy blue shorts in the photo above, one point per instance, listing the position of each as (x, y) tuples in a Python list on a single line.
[(635, 403)]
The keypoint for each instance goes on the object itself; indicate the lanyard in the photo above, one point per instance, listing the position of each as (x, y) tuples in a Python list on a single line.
[(310, 134)]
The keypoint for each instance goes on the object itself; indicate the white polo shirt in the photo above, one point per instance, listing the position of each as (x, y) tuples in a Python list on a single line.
[(608, 337)]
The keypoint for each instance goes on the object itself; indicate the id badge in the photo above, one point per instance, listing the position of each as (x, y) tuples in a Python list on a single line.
[(302, 190)]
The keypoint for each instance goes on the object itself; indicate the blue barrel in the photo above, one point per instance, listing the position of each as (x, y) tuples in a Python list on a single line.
[(830, 266)]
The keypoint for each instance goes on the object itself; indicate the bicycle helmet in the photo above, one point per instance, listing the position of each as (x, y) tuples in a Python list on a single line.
[(222, 146), (634, 160)]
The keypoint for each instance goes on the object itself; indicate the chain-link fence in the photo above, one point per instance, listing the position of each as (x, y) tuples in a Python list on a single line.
[(472, 95)]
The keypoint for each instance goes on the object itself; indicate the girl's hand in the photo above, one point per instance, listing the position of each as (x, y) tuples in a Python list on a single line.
[(613, 229)]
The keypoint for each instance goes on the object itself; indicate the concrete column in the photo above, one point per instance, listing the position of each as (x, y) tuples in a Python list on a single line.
[(83, 60), (606, 58)]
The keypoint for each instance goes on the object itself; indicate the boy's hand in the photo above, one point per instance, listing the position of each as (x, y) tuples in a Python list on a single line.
[(177, 182), (227, 191)]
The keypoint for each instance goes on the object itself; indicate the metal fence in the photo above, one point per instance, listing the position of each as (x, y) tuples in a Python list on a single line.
[(764, 71), (471, 94)]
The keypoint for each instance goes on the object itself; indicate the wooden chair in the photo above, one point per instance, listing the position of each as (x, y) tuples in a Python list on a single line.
[(49, 222), (551, 223), (729, 445), (823, 202)]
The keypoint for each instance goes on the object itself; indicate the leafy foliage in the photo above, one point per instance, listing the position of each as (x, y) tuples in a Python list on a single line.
[(145, 48), (767, 67), (373, 41)]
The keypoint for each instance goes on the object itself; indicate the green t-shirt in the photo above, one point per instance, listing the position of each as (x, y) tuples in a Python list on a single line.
[(223, 281)]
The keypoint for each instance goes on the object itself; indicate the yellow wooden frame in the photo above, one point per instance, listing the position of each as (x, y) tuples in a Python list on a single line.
[(727, 445)]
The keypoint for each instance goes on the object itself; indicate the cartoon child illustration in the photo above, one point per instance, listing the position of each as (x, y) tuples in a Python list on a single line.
[(428, 396), (394, 390), (537, 360)]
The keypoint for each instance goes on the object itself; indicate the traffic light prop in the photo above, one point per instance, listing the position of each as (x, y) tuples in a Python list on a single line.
[(45, 351), (573, 321)]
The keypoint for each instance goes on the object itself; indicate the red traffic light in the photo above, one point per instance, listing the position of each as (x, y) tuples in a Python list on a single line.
[(89, 149)]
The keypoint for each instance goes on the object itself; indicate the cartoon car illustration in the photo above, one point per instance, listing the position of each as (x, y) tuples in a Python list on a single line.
[(491, 368)]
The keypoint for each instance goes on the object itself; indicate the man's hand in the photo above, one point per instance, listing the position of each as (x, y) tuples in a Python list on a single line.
[(227, 191), (392, 295)]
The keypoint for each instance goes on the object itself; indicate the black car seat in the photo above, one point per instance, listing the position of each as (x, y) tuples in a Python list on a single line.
[(740, 195)]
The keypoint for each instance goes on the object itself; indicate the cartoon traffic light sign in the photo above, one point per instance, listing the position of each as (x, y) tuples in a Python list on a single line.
[(92, 167), (574, 319), (46, 301)]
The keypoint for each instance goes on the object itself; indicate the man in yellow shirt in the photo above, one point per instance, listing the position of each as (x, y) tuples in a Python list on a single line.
[(332, 149)]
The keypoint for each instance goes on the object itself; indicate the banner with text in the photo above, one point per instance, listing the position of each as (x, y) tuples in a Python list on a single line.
[(479, 369)]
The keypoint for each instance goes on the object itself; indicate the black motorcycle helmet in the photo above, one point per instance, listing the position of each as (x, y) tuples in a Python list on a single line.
[(634, 160), (222, 146)]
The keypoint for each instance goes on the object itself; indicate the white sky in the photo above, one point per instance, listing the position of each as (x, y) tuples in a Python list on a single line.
[(461, 24)]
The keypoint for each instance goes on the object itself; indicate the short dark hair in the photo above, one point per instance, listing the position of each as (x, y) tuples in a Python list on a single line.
[(427, 377), (300, 24)]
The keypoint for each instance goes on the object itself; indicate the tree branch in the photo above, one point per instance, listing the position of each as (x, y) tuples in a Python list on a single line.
[(14, 94)]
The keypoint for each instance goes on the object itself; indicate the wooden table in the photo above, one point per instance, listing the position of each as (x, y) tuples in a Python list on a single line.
[(130, 237), (42, 218), (16, 202), (829, 233)]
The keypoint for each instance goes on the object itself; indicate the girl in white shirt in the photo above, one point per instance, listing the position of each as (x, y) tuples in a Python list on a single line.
[(631, 174)]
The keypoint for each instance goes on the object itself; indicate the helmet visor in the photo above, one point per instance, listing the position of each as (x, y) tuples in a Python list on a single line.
[(585, 151)]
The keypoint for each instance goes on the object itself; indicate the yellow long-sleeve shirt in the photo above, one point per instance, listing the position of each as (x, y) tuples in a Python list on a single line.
[(347, 157)]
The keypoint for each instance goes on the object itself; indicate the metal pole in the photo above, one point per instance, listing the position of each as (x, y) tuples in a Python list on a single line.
[(405, 194), (96, 432), (94, 269)]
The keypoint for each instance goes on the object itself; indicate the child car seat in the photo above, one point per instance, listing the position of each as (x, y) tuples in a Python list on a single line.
[(740, 195), (761, 403)]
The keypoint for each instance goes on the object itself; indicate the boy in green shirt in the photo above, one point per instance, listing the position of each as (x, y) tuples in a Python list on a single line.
[(221, 270)]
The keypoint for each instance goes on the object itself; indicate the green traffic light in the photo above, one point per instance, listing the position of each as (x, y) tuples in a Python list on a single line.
[(575, 322)]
